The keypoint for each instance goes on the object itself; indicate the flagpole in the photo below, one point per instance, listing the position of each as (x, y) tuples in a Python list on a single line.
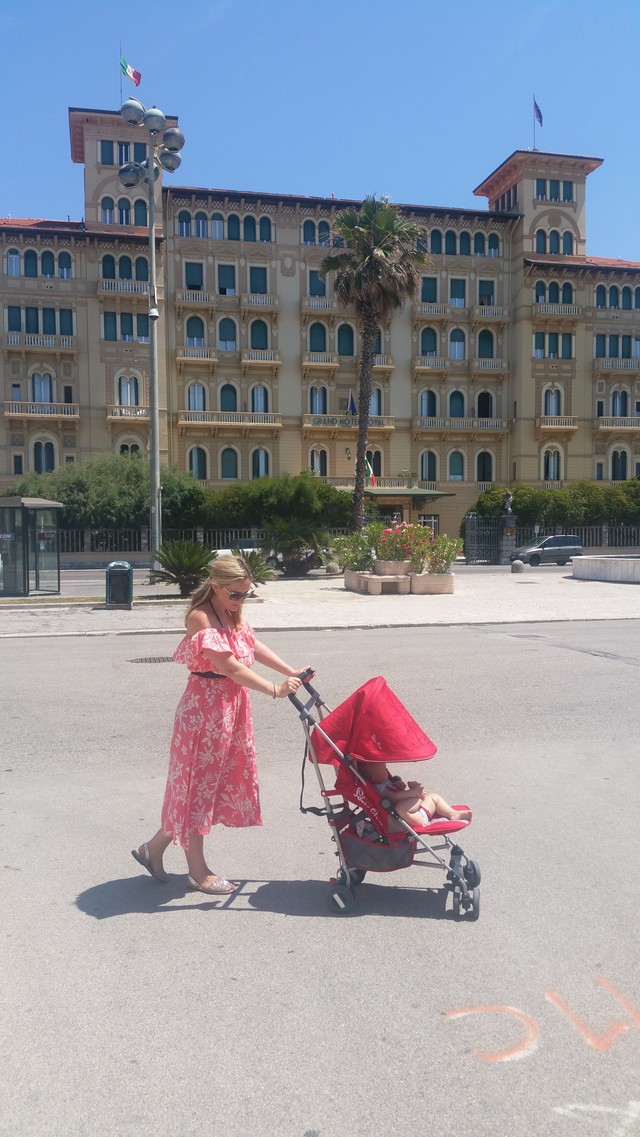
[(120, 70), (534, 121)]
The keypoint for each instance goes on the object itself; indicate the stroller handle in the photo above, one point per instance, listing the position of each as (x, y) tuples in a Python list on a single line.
[(316, 700)]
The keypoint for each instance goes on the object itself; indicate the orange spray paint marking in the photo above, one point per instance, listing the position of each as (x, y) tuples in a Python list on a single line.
[(597, 1041), (633, 1012), (528, 1043)]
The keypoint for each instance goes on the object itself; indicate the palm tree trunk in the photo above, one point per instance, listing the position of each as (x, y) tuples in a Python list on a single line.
[(368, 333)]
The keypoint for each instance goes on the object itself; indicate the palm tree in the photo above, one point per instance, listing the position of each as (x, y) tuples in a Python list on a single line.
[(377, 265)]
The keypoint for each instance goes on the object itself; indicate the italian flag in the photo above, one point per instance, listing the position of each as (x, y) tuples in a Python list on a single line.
[(130, 72), (369, 472)]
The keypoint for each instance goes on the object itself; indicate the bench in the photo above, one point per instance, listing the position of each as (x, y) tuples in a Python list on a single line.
[(375, 585)]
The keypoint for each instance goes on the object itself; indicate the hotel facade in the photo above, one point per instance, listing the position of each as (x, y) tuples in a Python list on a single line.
[(517, 361)]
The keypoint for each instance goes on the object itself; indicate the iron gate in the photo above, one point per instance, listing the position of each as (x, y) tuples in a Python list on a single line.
[(481, 540)]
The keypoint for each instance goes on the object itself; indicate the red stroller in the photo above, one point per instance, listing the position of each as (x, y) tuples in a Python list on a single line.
[(372, 725)]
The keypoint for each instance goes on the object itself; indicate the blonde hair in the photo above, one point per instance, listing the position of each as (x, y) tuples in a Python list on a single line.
[(225, 571)]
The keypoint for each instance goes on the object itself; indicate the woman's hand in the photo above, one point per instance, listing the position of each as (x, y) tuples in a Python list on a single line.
[(289, 687), (300, 671)]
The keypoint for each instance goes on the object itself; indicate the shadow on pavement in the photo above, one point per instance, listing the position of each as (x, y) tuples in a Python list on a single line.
[(287, 897)]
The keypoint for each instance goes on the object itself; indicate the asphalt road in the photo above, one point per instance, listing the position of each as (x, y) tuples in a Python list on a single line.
[(266, 1015)]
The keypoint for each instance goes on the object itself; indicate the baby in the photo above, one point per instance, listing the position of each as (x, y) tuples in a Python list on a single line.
[(411, 801)]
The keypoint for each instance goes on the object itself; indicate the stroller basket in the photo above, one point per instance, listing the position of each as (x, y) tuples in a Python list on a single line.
[(374, 856)]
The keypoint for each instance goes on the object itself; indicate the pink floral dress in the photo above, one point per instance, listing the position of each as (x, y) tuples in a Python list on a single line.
[(212, 777)]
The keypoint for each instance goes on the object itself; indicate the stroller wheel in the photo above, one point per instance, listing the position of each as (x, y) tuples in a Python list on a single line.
[(457, 897), (340, 899), (357, 875), (472, 874), (475, 904)]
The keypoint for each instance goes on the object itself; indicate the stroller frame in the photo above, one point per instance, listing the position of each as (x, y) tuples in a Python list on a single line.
[(391, 850)]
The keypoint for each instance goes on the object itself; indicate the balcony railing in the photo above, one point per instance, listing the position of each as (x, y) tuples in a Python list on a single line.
[(188, 352), (555, 310), (320, 359), (488, 312), (250, 300), (383, 361), (456, 424), (427, 308), (489, 365), (557, 422), (262, 356), (618, 364), (229, 418), (319, 304), (141, 287), (349, 482), (430, 363), (118, 412), (42, 410), (617, 422), (35, 340), (349, 422), (193, 296)]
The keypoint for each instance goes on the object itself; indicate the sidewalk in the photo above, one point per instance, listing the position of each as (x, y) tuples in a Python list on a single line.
[(495, 597)]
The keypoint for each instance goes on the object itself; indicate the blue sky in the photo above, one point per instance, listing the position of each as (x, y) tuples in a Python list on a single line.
[(416, 99)]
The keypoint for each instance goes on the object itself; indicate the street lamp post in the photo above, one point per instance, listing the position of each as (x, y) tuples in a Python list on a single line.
[(164, 144)]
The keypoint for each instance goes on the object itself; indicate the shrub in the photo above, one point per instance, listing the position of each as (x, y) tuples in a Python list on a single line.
[(185, 563)]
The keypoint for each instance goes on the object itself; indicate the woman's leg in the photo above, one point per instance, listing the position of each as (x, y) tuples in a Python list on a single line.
[(438, 807), (157, 846)]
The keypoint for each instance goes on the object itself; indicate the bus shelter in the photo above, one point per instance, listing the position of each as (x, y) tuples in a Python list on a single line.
[(29, 545)]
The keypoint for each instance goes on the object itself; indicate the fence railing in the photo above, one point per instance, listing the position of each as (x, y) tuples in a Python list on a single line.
[(591, 536)]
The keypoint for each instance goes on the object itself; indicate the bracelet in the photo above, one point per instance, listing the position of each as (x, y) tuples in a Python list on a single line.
[(274, 690)]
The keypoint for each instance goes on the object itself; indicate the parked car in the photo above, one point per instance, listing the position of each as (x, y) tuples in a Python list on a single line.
[(549, 550)]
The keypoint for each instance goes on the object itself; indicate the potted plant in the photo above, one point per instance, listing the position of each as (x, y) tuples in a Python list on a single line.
[(354, 554), (392, 549), (432, 565)]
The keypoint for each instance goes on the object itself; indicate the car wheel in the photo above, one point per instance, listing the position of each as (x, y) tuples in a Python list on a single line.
[(561, 562), (535, 560)]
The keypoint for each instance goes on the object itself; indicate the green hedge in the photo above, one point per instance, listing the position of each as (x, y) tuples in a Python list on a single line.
[(578, 503)]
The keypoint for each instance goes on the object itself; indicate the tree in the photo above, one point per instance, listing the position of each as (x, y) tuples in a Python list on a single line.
[(377, 265)]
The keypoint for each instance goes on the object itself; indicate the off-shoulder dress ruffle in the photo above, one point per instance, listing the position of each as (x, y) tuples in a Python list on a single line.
[(212, 764)]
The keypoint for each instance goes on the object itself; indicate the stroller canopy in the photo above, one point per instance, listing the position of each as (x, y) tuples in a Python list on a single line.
[(372, 724)]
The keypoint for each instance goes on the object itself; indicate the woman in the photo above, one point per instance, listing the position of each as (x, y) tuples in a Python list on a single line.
[(212, 768)]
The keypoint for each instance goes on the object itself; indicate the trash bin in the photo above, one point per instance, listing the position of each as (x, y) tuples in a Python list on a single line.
[(120, 583)]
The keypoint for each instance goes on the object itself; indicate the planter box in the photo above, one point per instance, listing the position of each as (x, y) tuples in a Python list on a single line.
[(431, 583), (391, 568), (352, 580)]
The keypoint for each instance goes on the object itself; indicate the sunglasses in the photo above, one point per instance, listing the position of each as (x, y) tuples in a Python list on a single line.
[(248, 595)]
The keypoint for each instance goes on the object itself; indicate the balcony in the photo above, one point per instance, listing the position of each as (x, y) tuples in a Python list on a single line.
[(615, 424), (424, 309), (130, 287), (318, 306), (230, 422), (556, 425), (616, 364), (442, 365), (556, 311), (42, 410), (486, 313), (382, 366), (260, 359), (31, 341), (426, 426), (391, 484), (259, 302), (196, 356), (128, 414), (484, 367), (317, 361), (335, 424)]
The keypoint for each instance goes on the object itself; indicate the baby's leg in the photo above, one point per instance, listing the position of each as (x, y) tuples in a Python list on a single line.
[(438, 807)]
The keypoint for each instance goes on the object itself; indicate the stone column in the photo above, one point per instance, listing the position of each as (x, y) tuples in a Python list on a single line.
[(506, 537)]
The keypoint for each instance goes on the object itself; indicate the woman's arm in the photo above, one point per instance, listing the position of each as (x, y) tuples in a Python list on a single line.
[(225, 663), (269, 658)]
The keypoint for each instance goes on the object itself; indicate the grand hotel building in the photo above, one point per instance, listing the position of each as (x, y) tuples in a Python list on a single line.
[(519, 360)]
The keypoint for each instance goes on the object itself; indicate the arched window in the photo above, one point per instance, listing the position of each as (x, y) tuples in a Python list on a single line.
[(601, 296), (140, 213), (552, 466), (317, 400), (13, 262), (428, 404), (541, 241), (260, 464), (636, 298), (375, 402), (201, 224), (478, 244), (142, 268), (345, 340), (317, 337), (318, 462), (198, 463), (228, 464), (196, 397), (456, 344), (619, 404), (618, 465), (47, 266), (108, 267), (567, 293), (465, 244), (428, 466), (42, 387), (554, 242), (554, 292), (374, 458), (626, 298), (228, 397), (428, 342), (249, 229), (259, 400), (552, 401), (456, 466), (614, 296), (64, 266), (43, 457), (265, 229), (450, 243), (184, 223), (195, 332), (217, 226), (107, 211), (485, 405), (567, 243), (309, 233), (128, 449), (541, 292), (227, 336), (456, 404), (436, 241), (259, 335), (233, 227), (124, 211), (128, 391), (30, 263), (485, 344), (484, 467), (494, 245), (125, 271), (323, 233)]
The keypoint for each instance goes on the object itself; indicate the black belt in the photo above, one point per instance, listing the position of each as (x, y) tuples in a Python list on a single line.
[(209, 675)]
